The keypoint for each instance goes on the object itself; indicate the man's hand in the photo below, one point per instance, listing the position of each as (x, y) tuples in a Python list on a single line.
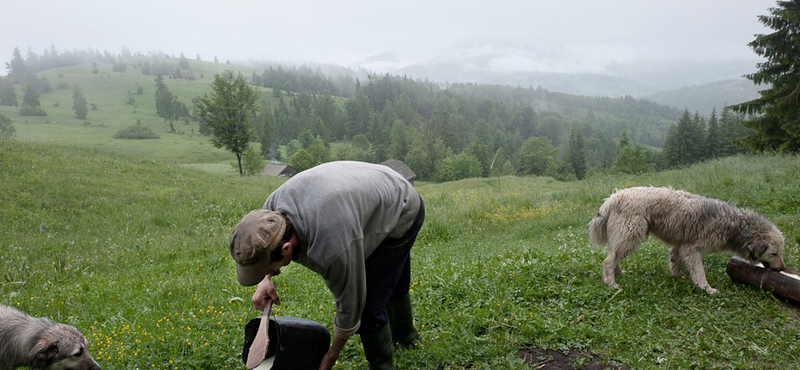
[(333, 354), (265, 291)]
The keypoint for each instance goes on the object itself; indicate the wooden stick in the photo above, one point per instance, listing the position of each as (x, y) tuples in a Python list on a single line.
[(258, 350), (783, 283)]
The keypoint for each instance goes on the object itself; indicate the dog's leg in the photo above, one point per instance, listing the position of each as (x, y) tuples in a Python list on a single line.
[(610, 269), (675, 262), (693, 261), (624, 237)]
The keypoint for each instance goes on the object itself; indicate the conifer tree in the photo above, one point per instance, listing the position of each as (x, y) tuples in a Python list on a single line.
[(698, 131), (684, 143), (17, 68), (7, 94), (576, 154), (31, 97), (714, 140), (183, 62), (167, 105), (30, 101), (731, 129), (775, 115), (669, 156), (79, 103)]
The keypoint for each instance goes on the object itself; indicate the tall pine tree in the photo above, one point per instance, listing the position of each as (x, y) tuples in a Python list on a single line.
[(576, 153), (17, 68), (684, 143), (776, 113), (714, 138)]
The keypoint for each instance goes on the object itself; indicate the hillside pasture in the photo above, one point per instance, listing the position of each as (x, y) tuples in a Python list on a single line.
[(108, 90), (133, 252)]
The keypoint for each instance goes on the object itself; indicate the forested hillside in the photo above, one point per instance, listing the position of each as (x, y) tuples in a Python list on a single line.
[(307, 116), (707, 97)]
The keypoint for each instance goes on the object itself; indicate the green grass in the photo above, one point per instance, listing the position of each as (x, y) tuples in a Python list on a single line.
[(133, 252), (109, 91)]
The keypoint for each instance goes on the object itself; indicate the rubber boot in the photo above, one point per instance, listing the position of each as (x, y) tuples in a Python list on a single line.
[(401, 320), (378, 348)]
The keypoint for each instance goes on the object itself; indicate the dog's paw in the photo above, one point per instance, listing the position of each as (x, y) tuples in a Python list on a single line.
[(711, 290)]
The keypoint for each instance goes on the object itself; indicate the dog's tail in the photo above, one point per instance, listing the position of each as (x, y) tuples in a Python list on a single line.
[(598, 231)]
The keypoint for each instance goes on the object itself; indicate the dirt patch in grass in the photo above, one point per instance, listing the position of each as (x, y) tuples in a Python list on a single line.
[(548, 359)]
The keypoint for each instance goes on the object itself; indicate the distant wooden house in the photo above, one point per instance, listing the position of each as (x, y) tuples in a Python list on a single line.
[(401, 168), (278, 170)]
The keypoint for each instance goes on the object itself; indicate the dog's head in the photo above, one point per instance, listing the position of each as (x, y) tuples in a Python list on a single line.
[(62, 347), (768, 249)]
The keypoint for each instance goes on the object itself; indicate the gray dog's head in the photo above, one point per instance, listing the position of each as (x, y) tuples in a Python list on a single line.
[(62, 347), (767, 248)]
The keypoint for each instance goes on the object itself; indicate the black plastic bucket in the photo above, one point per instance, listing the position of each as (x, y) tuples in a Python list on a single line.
[(297, 344)]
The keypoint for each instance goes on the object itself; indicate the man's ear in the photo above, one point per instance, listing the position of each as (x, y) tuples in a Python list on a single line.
[(287, 247)]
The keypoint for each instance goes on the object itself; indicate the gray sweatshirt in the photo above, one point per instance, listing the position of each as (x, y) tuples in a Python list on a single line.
[(341, 212)]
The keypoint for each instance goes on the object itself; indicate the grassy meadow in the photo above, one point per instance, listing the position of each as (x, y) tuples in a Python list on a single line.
[(108, 90), (133, 252)]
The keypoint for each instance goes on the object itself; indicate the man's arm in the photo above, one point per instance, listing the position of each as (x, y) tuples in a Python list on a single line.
[(333, 353)]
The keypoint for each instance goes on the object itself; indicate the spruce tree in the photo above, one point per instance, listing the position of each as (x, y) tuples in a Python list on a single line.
[(713, 137), (79, 103), (775, 115), (167, 105), (698, 131), (7, 94), (669, 156), (183, 62), (684, 143), (17, 68), (30, 101), (731, 130), (31, 96), (576, 153)]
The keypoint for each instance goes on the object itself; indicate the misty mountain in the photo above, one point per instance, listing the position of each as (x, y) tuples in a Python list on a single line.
[(515, 66), (704, 98)]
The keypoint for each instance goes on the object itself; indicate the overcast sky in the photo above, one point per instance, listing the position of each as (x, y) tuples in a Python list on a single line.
[(569, 33)]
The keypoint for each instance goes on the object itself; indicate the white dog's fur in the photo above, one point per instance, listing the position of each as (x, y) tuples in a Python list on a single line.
[(691, 224), (40, 343)]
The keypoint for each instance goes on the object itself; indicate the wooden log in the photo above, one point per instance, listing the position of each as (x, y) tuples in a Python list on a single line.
[(785, 284)]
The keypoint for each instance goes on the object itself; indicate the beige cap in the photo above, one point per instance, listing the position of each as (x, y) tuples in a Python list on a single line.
[(253, 238)]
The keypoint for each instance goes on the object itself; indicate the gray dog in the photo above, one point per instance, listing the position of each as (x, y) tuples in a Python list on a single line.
[(691, 224), (40, 343)]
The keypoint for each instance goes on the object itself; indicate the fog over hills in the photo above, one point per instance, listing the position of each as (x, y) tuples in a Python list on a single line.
[(594, 48), (572, 74)]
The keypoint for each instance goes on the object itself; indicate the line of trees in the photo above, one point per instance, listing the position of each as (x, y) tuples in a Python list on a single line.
[(443, 135), (445, 132), (690, 140)]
